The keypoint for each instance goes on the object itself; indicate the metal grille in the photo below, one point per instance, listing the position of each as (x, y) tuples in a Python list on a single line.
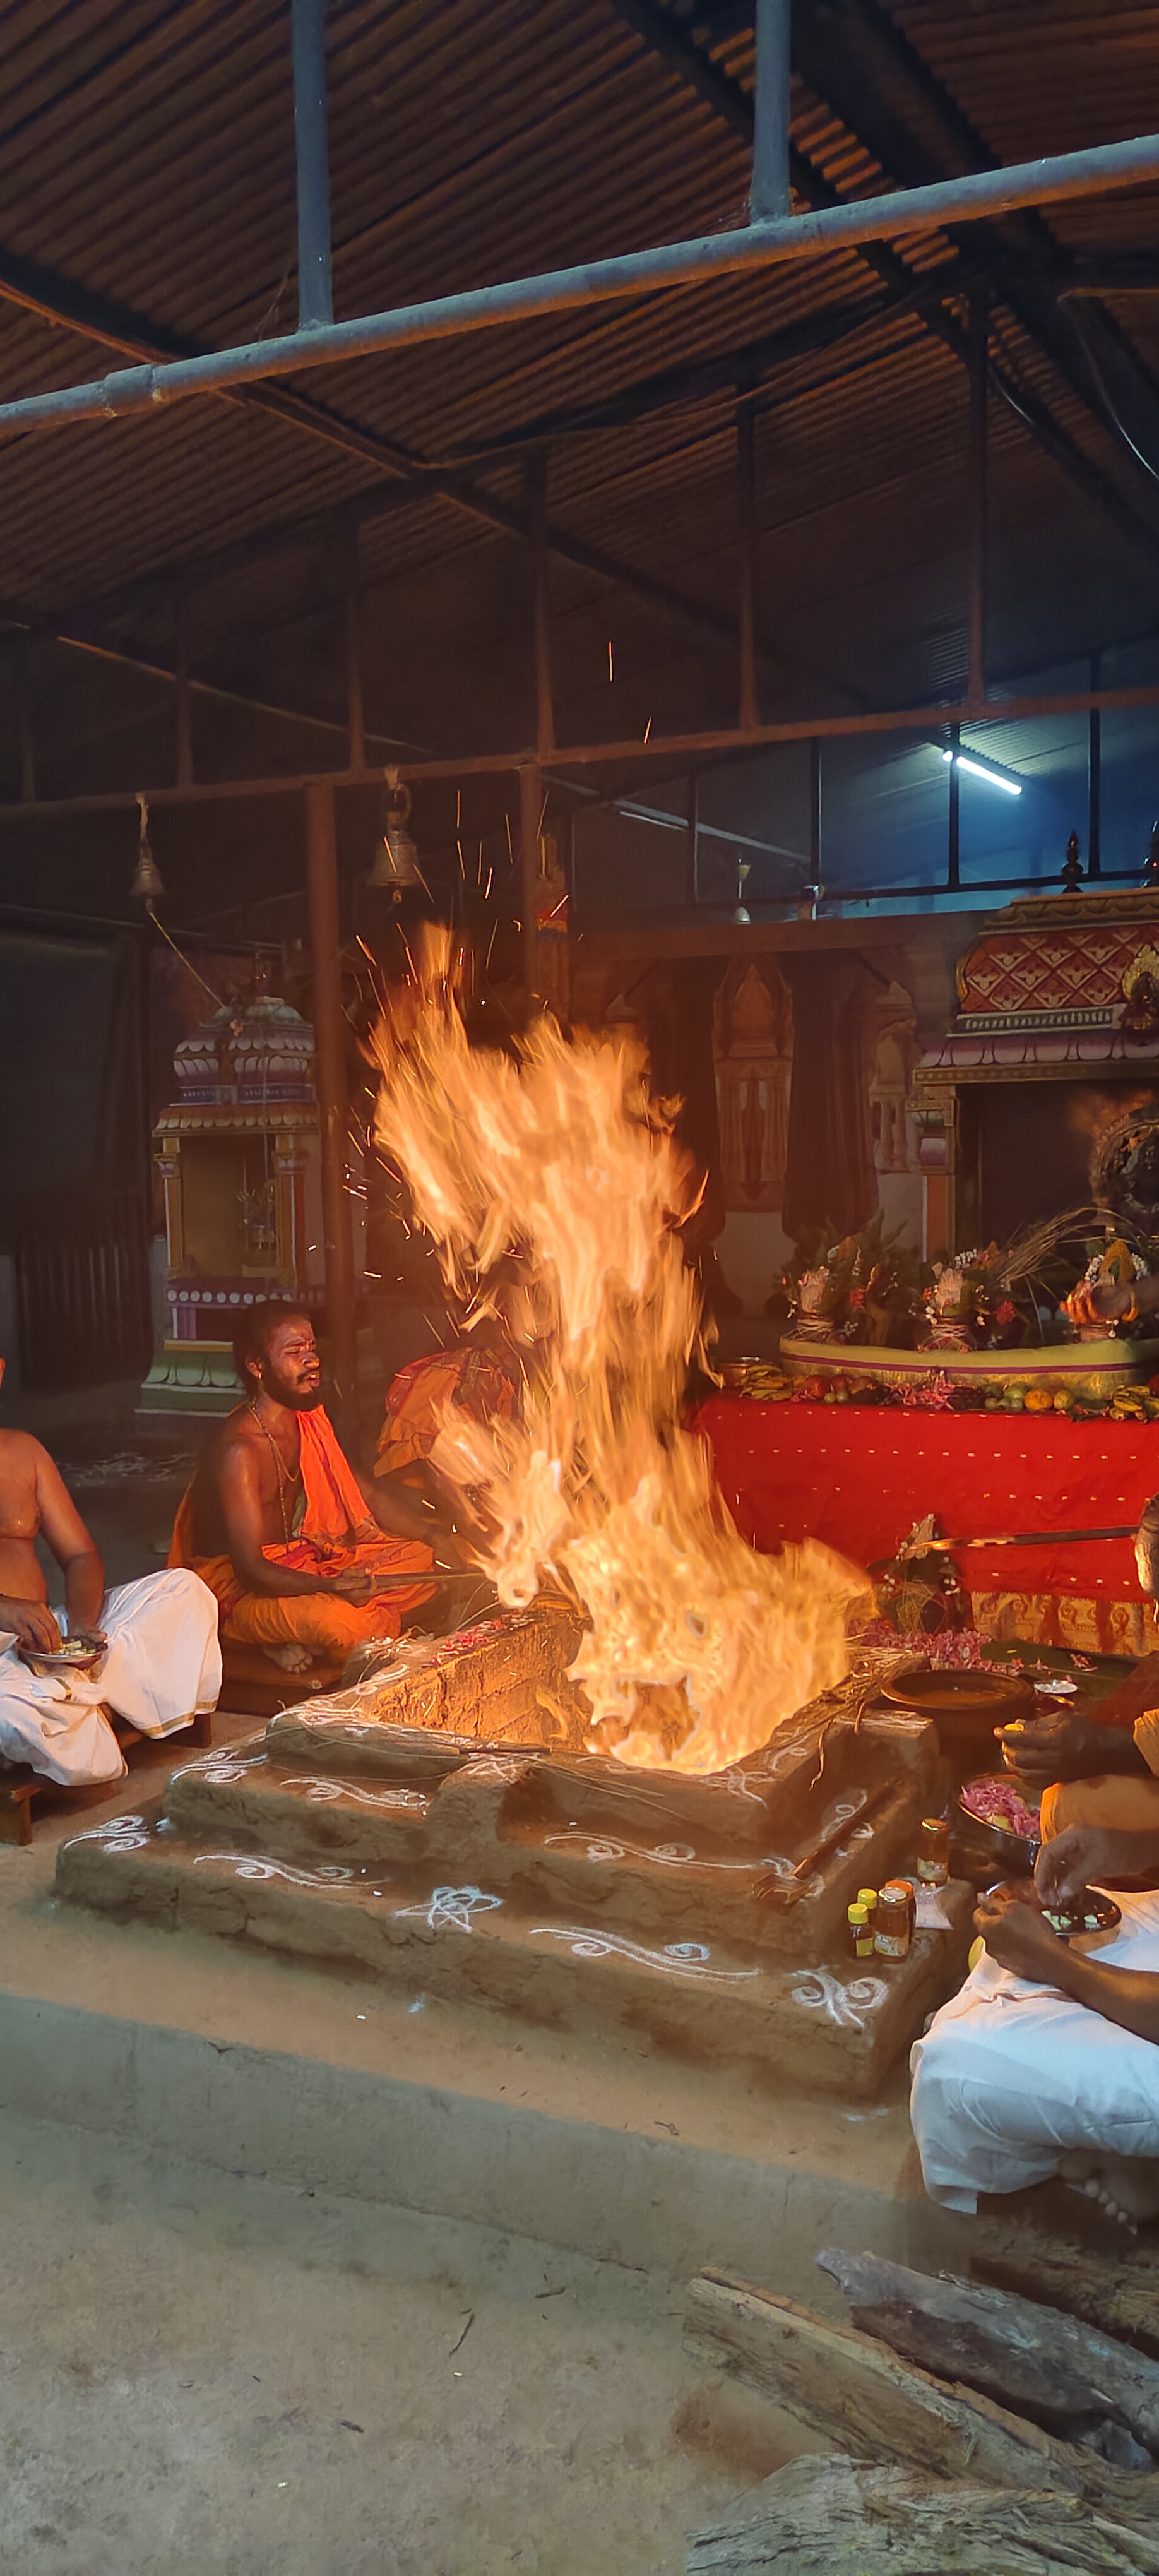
[(82, 1288)]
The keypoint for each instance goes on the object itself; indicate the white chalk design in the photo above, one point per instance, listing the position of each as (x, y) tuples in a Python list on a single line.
[(330, 1874), (677, 1958), (455, 1905), (322, 1792), (119, 1833), (221, 1767), (821, 1991), (672, 1855), (496, 1766)]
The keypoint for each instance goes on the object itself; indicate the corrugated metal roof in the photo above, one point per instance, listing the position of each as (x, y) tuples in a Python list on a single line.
[(146, 154)]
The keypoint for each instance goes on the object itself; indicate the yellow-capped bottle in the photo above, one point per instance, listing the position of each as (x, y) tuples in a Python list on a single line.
[(861, 1943)]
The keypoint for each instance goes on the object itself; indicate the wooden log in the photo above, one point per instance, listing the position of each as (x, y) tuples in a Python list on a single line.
[(858, 2393), (1024, 2354), (1118, 2293), (838, 2518)]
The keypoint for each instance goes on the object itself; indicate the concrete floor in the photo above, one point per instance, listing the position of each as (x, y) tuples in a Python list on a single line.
[(203, 2372)]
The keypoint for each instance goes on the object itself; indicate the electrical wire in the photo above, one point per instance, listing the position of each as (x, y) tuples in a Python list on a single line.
[(1104, 391)]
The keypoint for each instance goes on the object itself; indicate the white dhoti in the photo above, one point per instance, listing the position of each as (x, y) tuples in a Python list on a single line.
[(161, 1670), (1011, 2076)]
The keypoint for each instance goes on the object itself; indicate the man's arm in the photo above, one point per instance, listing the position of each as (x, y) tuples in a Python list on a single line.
[(1021, 1940), (399, 1512), (66, 1535), (1067, 1747), (1094, 1856), (239, 1488)]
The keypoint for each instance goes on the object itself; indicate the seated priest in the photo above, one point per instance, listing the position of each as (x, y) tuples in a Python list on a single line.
[(160, 1663), (305, 1559), (1099, 1766), (482, 1376), (1047, 2062)]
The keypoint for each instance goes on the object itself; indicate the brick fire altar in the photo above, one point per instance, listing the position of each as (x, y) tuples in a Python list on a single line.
[(480, 1854)]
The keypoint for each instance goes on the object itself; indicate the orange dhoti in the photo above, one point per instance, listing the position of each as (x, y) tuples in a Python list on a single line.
[(330, 1541)]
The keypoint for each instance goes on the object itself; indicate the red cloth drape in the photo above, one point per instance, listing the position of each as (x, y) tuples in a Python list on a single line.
[(859, 1478)]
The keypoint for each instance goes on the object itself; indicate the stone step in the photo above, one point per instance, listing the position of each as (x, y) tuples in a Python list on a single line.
[(795, 2026), (490, 1818)]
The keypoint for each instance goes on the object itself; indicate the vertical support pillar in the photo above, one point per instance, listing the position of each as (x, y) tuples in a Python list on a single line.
[(355, 712), (333, 1104), (1095, 777), (953, 841), (312, 148), (530, 825), (184, 700), (25, 746), (746, 515), (770, 195), (815, 813), (979, 491), (541, 603), (692, 891)]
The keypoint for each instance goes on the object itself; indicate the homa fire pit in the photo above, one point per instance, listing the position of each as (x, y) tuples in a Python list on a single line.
[(452, 1857)]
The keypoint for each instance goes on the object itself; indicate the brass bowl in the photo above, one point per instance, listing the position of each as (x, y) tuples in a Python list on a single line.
[(965, 1707)]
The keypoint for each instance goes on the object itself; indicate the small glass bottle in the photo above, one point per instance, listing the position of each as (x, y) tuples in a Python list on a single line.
[(934, 1851), (861, 1942), (892, 1926)]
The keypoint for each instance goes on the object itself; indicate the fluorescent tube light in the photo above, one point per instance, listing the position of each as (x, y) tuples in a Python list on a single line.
[(982, 769)]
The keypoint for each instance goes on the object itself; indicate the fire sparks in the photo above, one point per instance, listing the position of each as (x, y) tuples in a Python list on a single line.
[(554, 1189)]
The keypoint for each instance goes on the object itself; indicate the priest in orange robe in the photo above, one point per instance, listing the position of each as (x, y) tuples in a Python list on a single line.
[(303, 1554)]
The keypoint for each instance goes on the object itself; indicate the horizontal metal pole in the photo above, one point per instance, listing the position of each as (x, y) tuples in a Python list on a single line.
[(1066, 176), (681, 746), (932, 720)]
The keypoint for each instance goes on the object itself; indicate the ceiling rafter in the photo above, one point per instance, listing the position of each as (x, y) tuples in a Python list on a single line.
[(854, 56), (669, 38)]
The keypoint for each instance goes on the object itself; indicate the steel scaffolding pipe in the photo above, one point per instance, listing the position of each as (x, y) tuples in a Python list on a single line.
[(312, 149), (770, 196), (906, 211)]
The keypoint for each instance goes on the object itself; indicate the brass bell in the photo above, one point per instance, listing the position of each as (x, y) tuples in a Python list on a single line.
[(396, 860), (148, 884)]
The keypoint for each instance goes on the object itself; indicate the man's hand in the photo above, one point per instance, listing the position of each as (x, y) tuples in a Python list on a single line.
[(31, 1623), (1081, 1856), (1019, 1938), (354, 1585), (1063, 1746)]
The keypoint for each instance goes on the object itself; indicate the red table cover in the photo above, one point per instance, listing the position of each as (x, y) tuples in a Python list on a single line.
[(859, 1477)]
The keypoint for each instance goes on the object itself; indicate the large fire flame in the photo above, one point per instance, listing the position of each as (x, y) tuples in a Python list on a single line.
[(558, 1158)]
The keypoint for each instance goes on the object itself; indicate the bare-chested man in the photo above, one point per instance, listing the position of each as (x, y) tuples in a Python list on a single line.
[(160, 1666), (289, 1536)]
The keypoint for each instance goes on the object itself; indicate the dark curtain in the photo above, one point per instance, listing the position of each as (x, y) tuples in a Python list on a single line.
[(830, 1177), (69, 1070)]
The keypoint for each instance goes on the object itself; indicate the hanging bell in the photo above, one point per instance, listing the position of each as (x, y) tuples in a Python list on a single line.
[(148, 884), (396, 860)]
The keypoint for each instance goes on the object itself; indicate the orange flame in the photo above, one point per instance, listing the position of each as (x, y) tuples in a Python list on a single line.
[(696, 1646)]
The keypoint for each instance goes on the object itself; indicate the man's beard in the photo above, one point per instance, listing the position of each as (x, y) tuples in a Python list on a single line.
[(296, 1399)]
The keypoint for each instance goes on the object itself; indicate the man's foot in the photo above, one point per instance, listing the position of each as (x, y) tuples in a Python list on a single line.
[(1125, 2187), (290, 1659)]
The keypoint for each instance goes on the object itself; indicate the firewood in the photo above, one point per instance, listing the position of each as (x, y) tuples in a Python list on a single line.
[(857, 2392), (1117, 2293), (1024, 2354), (838, 2518)]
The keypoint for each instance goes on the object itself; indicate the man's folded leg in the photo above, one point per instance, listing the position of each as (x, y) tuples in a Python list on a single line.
[(51, 1727), (320, 1621), (163, 1666)]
